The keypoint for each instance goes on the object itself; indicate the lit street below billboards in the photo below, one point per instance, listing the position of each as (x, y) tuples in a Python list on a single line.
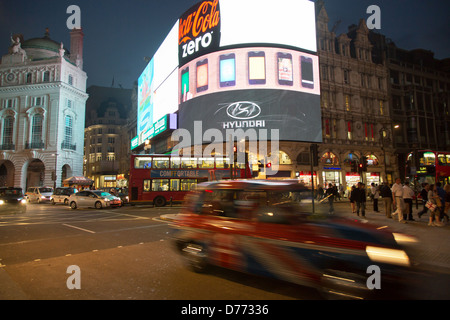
[(127, 253)]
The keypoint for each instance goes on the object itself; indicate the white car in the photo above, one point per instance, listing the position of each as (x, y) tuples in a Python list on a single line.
[(39, 194), (93, 199), (61, 195)]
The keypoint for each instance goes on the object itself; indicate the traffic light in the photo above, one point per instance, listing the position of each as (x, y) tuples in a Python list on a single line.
[(360, 168), (364, 164), (269, 165)]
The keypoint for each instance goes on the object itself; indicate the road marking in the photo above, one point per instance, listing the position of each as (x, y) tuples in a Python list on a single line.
[(82, 229)]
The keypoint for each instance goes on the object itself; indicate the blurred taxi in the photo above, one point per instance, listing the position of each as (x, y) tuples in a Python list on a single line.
[(258, 227)]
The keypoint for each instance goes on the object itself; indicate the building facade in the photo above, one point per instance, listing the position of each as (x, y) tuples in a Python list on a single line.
[(106, 159), (42, 111)]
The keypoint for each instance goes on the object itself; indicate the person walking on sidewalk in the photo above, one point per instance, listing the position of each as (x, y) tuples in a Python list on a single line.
[(330, 193), (397, 198), (360, 199), (434, 214), (424, 195), (386, 195), (408, 195), (375, 195)]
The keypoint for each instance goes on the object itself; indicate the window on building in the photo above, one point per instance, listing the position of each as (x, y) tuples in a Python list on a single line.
[(68, 132), (349, 130), (46, 76), (346, 77), (36, 128), (70, 80), (347, 103), (29, 78), (8, 128)]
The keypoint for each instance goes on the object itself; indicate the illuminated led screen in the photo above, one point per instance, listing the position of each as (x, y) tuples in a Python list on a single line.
[(258, 55)]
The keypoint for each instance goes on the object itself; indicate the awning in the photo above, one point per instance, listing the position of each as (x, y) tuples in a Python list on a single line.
[(81, 181)]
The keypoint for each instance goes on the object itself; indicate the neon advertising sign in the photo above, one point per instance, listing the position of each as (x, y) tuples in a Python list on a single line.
[(199, 31)]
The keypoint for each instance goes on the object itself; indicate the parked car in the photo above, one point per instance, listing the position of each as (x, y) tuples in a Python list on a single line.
[(265, 228), (61, 195), (12, 200), (93, 199), (39, 194)]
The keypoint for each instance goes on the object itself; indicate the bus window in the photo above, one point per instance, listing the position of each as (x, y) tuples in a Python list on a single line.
[(147, 184), (175, 163), (188, 184), (188, 163), (142, 163), (161, 163), (206, 163), (222, 163), (175, 185), (160, 185)]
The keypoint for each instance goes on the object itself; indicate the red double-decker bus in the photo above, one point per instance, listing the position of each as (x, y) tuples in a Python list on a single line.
[(163, 179), (430, 166)]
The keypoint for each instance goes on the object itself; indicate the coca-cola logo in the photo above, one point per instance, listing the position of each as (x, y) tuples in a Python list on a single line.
[(243, 110), (199, 30)]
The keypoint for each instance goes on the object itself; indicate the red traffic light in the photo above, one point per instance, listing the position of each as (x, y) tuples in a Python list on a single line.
[(269, 165)]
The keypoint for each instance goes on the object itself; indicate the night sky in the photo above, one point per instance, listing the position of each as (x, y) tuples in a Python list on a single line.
[(119, 34)]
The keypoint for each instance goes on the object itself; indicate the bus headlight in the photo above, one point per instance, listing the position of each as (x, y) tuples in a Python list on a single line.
[(2, 202), (23, 201), (386, 255)]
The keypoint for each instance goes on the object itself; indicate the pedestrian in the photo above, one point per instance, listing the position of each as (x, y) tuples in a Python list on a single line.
[(352, 198), (408, 195), (434, 213), (375, 195), (447, 201), (441, 201), (320, 193), (330, 193), (397, 199), (360, 199), (386, 195), (424, 196)]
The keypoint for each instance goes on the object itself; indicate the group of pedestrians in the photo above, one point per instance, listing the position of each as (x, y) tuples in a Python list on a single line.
[(398, 201)]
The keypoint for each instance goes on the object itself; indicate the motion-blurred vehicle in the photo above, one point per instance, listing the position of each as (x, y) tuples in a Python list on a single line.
[(39, 194), (93, 199), (61, 195), (263, 228), (124, 198), (12, 200)]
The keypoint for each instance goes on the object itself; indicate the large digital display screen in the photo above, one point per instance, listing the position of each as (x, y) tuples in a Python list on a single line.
[(232, 63), (158, 85)]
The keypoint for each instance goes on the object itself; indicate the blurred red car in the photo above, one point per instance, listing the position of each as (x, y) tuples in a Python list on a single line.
[(258, 227)]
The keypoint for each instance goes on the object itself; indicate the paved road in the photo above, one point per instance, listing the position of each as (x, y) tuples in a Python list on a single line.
[(126, 254)]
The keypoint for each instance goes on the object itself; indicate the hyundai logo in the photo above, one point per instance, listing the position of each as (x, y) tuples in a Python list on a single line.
[(243, 110)]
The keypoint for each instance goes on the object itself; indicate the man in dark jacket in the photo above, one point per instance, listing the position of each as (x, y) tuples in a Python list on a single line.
[(386, 195), (360, 199)]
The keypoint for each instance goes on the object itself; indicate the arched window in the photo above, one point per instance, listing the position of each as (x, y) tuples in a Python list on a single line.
[(329, 158), (284, 158), (351, 157), (372, 160)]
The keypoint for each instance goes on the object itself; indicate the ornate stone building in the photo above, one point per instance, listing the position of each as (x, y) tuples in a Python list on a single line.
[(355, 110), (42, 111)]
